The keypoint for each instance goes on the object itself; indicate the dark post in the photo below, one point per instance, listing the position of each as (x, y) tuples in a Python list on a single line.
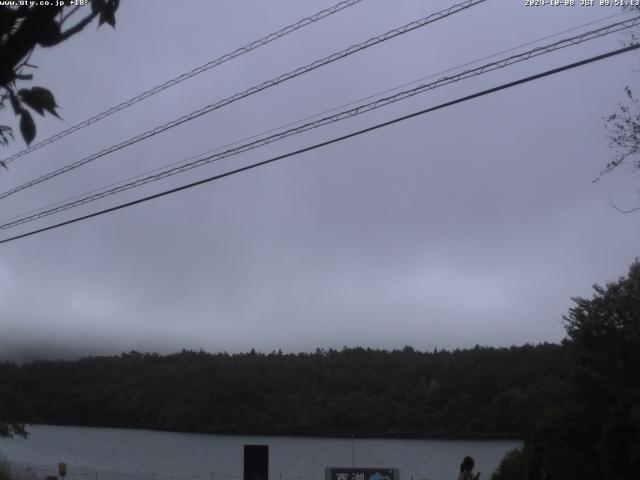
[(256, 462)]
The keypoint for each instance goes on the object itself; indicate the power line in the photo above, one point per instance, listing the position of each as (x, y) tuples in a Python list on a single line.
[(310, 117), (333, 140), (181, 78), (382, 102), (457, 67), (258, 88)]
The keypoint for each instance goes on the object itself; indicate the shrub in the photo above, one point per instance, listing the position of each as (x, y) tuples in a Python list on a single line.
[(513, 466)]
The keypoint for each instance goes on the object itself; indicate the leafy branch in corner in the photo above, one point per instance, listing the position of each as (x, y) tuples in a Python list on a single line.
[(22, 29)]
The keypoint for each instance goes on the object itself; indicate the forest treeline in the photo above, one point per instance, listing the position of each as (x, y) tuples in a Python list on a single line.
[(576, 405), (481, 392), (593, 433)]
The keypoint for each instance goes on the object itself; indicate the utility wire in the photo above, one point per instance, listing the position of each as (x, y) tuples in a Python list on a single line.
[(181, 78), (310, 117), (333, 140), (258, 88), (382, 102)]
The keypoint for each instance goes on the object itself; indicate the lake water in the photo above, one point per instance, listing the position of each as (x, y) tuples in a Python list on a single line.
[(122, 454)]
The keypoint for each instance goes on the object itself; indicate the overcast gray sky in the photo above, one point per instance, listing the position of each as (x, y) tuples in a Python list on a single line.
[(470, 225)]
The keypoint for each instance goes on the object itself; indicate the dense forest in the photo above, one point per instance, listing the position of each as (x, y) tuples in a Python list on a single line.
[(576, 405), (593, 432), (480, 392)]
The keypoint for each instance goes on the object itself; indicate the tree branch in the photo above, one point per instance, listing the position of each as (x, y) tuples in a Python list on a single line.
[(77, 27), (64, 18), (36, 24), (25, 62), (612, 204)]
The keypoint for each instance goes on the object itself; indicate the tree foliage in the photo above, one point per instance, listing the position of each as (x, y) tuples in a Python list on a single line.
[(14, 409), (514, 465), (623, 128), (594, 432), (624, 137), (477, 393), (22, 29)]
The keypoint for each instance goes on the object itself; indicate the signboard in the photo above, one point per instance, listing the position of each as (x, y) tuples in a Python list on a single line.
[(348, 473), (62, 469), (256, 462)]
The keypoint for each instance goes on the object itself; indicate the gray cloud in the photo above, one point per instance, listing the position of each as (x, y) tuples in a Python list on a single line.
[(475, 224)]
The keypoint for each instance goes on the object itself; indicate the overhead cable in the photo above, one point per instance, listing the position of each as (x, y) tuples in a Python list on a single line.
[(315, 115), (382, 102), (329, 142), (258, 88), (181, 78)]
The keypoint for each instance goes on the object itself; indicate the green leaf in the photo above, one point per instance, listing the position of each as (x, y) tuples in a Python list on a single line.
[(27, 126), (15, 103), (113, 5), (29, 99), (107, 17), (5, 133), (111, 19), (107, 10), (98, 5), (40, 99)]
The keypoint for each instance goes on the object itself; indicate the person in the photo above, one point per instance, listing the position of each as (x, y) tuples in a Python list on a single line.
[(466, 469)]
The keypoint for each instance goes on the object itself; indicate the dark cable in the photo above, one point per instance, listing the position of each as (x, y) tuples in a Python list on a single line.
[(382, 102), (258, 88), (304, 119), (181, 78), (334, 140)]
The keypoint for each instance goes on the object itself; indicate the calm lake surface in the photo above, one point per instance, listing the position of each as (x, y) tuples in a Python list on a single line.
[(121, 454)]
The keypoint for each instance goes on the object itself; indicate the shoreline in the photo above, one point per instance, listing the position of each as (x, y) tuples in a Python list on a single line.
[(451, 438)]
